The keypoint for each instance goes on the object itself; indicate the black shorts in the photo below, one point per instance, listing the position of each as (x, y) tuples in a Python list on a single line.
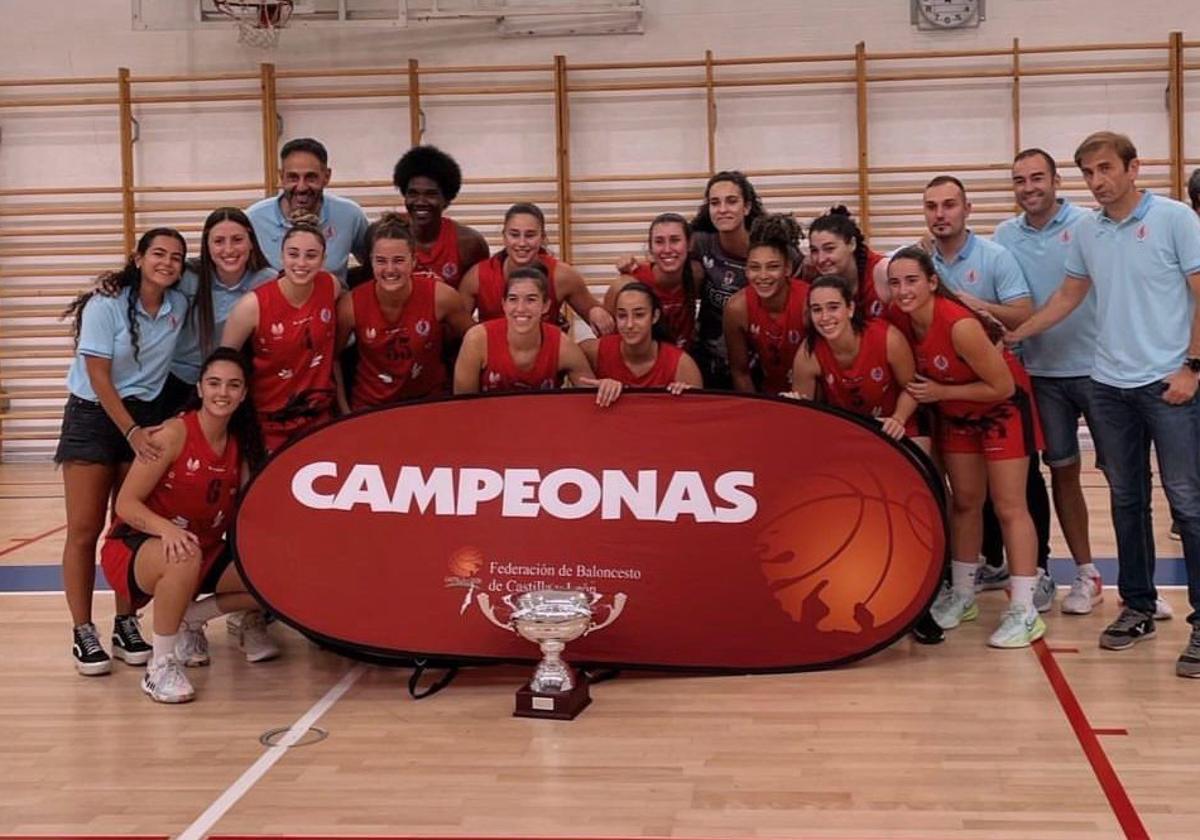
[(175, 395), (89, 435)]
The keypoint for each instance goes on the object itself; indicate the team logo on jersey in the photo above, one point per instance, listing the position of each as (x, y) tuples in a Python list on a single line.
[(316, 360), (422, 327), (1065, 238), (941, 362), (755, 329), (181, 521), (972, 277), (793, 336), (1142, 232), (493, 378), (286, 373), (830, 378), (370, 333), (277, 329), (876, 308), (330, 232), (326, 315), (193, 464), (385, 378), (416, 370), (218, 519), (707, 261), (728, 279), (450, 270), (876, 374)]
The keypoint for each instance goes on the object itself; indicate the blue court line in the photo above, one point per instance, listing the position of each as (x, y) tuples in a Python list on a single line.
[(1168, 571)]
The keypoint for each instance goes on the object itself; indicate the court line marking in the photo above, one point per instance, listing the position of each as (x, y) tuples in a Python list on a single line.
[(204, 823), (31, 540), (1110, 783)]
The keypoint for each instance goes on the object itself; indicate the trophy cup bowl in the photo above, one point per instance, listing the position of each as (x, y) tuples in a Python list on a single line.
[(550, 618)]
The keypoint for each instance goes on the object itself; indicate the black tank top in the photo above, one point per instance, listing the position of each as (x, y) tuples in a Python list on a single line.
[(723, 276)]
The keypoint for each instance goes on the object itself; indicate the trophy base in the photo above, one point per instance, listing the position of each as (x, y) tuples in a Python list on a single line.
[(555, 705)]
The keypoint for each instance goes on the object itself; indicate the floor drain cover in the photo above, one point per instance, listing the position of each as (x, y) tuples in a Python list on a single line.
[(272, 737)]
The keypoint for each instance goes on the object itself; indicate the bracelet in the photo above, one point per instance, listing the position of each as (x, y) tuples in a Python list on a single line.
[(132, 429)]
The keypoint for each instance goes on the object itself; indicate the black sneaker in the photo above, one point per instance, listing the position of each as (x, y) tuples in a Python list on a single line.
[(1188, 664), (90, 658), (1130, 628), (927, 631), (127, 641)]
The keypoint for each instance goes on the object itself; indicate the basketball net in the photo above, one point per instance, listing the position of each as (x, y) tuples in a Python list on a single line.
[(259, 21)]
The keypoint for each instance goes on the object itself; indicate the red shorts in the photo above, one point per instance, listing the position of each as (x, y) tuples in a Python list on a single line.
[(276, 434), (119, 549), (1008, 430)]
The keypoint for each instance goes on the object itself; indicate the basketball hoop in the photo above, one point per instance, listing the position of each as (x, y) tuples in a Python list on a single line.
[(258, 21)]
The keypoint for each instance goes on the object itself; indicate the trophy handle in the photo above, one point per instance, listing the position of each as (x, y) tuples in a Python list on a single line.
[(485, 606), (618, 604)]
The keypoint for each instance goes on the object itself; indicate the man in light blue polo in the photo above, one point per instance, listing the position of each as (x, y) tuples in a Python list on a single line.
[(988, 279), (1059, 360), (1141, 254), (304, 173)]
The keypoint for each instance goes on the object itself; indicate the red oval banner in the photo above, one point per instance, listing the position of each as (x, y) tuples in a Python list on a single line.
[(747, 533)]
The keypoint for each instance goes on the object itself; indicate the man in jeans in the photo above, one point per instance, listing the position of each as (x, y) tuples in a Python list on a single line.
[(1059, 360), (1141, 253)]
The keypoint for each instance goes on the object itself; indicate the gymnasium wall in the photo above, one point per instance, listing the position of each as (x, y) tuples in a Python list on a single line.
[(638, 138)]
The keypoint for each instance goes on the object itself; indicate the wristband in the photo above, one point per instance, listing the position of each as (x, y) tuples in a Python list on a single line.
[(132, 429)]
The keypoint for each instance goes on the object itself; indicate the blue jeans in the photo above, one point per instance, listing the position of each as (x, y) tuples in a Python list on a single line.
[(1126, 422)]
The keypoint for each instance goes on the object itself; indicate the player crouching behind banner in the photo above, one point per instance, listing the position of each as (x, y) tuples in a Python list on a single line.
[(167, 541)]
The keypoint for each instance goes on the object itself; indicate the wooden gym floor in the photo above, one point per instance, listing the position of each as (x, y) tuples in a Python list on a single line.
[(955, 741)]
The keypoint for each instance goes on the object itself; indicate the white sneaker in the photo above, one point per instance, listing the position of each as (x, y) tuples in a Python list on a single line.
[(1020, 627), (1044, 591), (1086, 592), (1162, 610), (165, 681), (951, 608), (253, 638), (191, 646)]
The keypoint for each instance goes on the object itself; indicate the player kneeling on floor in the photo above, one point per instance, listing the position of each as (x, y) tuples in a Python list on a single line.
[(167, 541)]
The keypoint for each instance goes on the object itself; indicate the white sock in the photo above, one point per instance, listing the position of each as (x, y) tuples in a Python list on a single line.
[(164, 646), (962, 576), (199, 613), (1088, 569), (1022, 590)]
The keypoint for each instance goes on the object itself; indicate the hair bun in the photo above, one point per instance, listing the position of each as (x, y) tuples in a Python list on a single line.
[(839, 210)]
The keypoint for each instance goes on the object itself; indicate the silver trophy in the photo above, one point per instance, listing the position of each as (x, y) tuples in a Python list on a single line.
[(551, 618)]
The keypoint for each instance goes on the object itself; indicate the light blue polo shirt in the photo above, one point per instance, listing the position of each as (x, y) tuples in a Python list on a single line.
[(188, 358), (983, 269), (1139, 268), (104, 332), (342, 221), (1067, 348)]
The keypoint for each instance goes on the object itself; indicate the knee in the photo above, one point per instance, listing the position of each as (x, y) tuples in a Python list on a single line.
[(967, 504)]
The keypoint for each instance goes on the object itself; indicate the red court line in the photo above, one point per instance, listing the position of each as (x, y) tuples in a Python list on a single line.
[(1111, 731), (1062, 649), (22, 543), (1110, 783)]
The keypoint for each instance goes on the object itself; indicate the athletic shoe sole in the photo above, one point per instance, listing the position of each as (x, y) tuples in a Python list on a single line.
[(131, 658), (1039, 630), (94, 669), (185, 698), (1128, 642)]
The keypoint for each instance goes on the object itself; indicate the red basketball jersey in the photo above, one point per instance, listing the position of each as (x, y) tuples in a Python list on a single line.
[(680, 318), (402, 359), (199, 490), (490, 299), (776, 338), (867, 386), (937, 359), (502, 373), (610, 365), (440, 261), (293, 359)]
